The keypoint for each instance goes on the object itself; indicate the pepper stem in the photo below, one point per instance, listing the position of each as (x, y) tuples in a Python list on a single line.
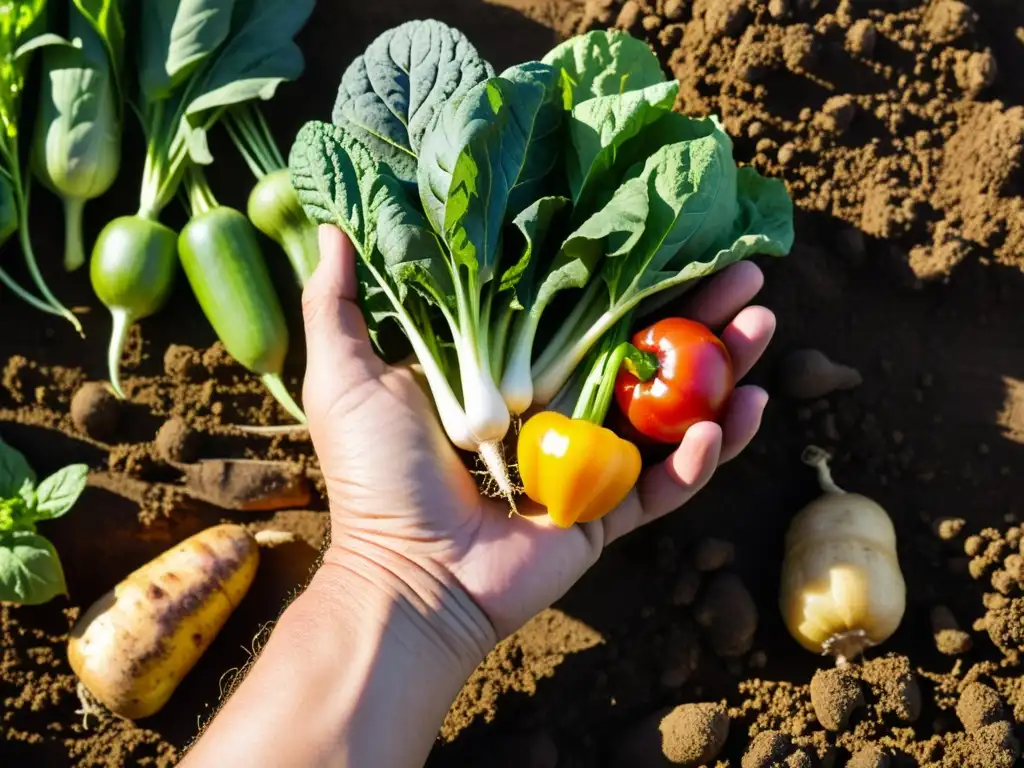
[(643, 365), (599, 386)]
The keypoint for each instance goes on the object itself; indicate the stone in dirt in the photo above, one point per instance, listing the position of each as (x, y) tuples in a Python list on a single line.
[(835, 694), (727, 614), (96, 411), (177, 442)]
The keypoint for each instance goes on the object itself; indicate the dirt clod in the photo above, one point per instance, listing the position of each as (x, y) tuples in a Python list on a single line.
[(861, 38), (894, 686), (727, 614), (766, 749), (712, 554), (949, 638), (693, 734), (835, 694), (183, 363), (869, 756), (979, 705), (809, 374), (177, 443), (96, 411)]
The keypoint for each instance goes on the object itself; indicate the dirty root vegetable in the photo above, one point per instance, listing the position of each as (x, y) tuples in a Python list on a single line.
[(681, 375), (135, 645), (132, 272), (842, 589), (221, 258), (575, 467)]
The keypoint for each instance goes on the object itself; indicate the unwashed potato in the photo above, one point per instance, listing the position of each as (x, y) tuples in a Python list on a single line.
[(135, 644)]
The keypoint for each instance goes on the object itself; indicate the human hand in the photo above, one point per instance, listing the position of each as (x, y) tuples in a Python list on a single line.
[(402, 499)]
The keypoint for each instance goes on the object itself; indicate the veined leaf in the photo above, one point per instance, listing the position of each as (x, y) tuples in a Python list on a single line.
[(533, 224), (472, 157), (763, 226), (692, 192), (15, 473), (390, 95), (20, 21), (58, 493), (106, 19), (30, 571), (603, 63), (177, 36), (598, 128), (545, 149), (260, 55)]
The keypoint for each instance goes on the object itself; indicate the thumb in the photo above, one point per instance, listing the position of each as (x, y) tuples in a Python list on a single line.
[(339, 354)]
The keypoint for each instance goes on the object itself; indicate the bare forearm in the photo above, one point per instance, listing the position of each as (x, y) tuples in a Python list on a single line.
[(372, 648)]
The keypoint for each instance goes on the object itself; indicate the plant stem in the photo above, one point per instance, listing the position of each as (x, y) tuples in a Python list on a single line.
[(25, 296), (74, 247), (119, 335), (275, 385), (599, 387)]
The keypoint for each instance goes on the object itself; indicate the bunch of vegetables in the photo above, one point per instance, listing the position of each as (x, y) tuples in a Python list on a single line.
[(196, 61), (30, 569), (475, 200)]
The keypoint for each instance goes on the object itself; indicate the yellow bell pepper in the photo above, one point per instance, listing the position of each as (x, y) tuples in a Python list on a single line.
[(579, 470)]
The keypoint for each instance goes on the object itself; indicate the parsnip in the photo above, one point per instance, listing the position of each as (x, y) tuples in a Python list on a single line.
[(842, 589), (135, 645)]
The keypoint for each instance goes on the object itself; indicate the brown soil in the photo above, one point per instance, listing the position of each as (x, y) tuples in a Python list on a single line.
[(899, 127)]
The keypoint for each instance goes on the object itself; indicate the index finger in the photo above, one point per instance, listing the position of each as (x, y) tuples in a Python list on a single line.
[(718, 302)]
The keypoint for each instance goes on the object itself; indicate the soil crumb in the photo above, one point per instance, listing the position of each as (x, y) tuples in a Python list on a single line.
[(177, 443), (835, 694), (96, 411)]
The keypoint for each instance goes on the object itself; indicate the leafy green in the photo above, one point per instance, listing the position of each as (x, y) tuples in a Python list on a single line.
[(572, 176), (30, 570), (59, 492), (389, 95), (77, 146), (603, 63)]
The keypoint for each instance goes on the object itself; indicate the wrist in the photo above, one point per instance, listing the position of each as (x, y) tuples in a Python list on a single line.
[(408, 599)]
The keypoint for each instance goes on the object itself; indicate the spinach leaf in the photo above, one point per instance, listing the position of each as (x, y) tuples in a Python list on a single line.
[(106, 19), (763, 225), (598, 128), (199, 28), (533, 224), (390, 95), (334, 176), (177, 36), (58, 493), (472, 157), (16, 476), (30, 571), (603, 63), (692, 191), (260, 54), (611, 232), (544, 150)]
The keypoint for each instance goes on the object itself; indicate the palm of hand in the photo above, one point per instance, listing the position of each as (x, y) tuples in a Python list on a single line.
[(395, 481)]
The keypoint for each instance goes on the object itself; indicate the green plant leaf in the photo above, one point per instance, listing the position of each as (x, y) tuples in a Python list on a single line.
[(763, 226), (390, 95), (472, 157), (603, 63), (176, 37), (533, 224), (15, 473), (59, 492), (77, 148), (334, 176), (260, 55), (106, 20), (20, 21), (30, 570), (692, 192), (610, 233), (599, 127)]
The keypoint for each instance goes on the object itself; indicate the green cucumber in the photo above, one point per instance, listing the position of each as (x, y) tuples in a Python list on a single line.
[(132, 272), (220, 254)]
